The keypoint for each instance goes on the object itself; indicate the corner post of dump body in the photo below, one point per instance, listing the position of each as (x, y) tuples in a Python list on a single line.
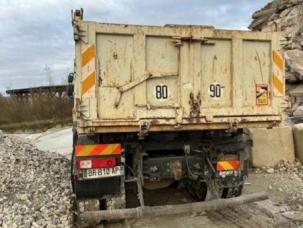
[(88, 70), (278, 76), (237, 71)]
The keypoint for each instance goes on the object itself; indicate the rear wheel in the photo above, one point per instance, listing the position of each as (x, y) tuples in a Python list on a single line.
[(214, 190), (216, 185), (197, 189)]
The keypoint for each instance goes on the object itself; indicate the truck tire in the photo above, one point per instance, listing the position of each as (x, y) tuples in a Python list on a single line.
[(213, 190), (196, 189)]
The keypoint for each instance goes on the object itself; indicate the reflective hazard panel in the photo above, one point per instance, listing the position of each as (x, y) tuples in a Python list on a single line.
[(98, 149), (278, 72), (228, 165)]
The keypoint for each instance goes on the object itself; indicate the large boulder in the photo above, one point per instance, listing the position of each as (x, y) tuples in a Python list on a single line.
[(294, 62), (271, 146), (298, 138), (291, 78), (298, 112)]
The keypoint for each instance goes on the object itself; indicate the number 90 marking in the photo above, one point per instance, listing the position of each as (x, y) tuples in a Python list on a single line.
[(215, 90)]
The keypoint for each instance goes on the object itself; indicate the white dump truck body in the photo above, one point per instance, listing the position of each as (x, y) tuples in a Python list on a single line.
[(130, 78)]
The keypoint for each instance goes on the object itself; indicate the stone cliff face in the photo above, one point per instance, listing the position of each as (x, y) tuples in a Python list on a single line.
[(286, 16), (282, 15)]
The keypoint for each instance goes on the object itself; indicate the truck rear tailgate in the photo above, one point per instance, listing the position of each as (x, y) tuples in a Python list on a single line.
[(176, 77)]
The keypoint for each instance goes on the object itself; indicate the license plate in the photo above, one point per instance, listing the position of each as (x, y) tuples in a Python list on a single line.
[(103, 172)]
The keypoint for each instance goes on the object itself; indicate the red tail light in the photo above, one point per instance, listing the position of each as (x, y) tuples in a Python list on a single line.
[(95, 163)]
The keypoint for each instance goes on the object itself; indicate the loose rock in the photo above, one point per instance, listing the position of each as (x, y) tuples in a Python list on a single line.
[(35, 188), (294, 215), (270, 170)]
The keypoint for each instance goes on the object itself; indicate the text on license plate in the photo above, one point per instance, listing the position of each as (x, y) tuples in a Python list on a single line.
[(103, 172)]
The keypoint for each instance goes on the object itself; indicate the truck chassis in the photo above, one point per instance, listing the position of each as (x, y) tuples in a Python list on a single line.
[(209, 164)]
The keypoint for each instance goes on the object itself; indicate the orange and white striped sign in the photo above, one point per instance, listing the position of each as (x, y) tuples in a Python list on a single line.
[(228, 165), (88, 70), (278, 73), (98, 149)]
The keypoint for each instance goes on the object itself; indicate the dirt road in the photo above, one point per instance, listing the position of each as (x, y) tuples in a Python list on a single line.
[(57, 140), (283, 209)]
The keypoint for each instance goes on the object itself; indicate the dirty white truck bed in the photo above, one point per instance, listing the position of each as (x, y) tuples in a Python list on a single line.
[(175, 77)]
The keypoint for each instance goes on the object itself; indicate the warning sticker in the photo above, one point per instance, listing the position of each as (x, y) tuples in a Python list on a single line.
[(262, 94)]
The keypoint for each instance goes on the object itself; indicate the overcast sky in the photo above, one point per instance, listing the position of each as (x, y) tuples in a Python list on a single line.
[(37, 34)]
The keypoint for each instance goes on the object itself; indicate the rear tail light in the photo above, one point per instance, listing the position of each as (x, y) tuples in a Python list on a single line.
[(228, 165), (95, 163)]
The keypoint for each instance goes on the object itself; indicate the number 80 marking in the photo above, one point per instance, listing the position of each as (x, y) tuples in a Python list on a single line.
[(161, 92)]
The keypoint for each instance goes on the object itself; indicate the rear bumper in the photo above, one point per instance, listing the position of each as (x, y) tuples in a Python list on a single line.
[(170, 124)]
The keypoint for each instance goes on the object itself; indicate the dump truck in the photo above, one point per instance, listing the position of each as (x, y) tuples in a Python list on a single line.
[(155, 105)]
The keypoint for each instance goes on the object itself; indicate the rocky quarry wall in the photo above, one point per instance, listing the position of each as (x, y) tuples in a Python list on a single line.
[(287, 16)]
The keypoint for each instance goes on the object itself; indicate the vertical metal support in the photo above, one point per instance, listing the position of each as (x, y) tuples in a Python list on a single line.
[(140, 180), (140, 192)]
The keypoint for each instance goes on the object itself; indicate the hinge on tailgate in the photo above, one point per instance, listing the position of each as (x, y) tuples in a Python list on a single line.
[(177, 40), (78, 33), (195, 105), (143, 129), (78, 14), (233, 126)]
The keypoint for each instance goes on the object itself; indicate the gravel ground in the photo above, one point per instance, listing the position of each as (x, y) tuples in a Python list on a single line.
[(282, 182), (35, 191), (35, 188)]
